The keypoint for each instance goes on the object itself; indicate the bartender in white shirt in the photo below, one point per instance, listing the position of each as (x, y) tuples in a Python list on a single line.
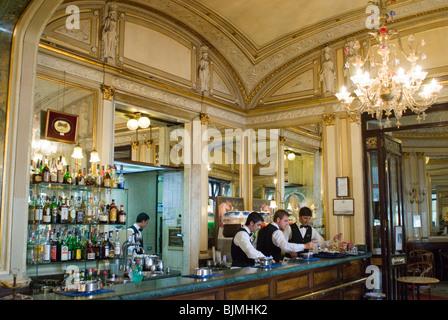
[(301, 232), (243, 251), (137, 228), (271, 240)]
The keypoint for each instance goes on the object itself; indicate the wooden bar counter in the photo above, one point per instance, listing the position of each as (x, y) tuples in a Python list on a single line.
[(326, 278)]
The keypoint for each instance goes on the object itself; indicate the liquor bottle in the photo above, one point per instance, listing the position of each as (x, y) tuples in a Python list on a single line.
[(38, 173), (46, 217), (111, 245), (90, 253), (46, 256), (53, 172), (45, 172), (80, 178), (64, 211), (38, 249), (121, 215), (80, 211), (113, 212), (60, 171), (30, 248), (120, 179), (103, 216), (67, 176), (90, 179), (73, 175), (107, 179), (98, 176), (38, 211), (53, 249), (64, 249), (117, 245), (54, 210), (105, 246), (71, 211), (77, 247), (32, 171), (114, 177)]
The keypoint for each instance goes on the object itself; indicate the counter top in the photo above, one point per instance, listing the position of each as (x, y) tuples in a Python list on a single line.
[(158, 288)]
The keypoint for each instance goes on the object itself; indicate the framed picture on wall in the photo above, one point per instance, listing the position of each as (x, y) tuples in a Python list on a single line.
[(344, 207), (61, 127), (342, 187)]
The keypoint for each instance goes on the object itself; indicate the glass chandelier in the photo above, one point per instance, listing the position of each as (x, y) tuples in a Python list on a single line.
[(392, 90)]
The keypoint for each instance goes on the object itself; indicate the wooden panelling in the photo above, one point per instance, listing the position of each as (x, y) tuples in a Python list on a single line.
[(293, 283), (326, 276), (341, 281), (251, 292), (352, 270), (207, 295)]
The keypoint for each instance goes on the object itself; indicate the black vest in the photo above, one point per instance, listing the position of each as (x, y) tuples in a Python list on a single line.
[(239, 257), (296, 236), (265, 244)]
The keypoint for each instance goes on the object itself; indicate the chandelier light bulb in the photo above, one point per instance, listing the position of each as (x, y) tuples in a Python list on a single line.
[(291, 156), (132, 124), (144, 122)]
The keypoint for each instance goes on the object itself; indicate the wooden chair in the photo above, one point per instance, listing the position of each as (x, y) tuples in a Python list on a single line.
[(443, 255), (422, 256), (421, 269)]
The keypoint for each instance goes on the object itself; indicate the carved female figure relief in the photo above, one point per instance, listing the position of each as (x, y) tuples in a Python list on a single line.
[(110, 36), (204, 71), (328, 74)]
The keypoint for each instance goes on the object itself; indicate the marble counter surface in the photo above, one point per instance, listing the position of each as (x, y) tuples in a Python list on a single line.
[(182, 284)]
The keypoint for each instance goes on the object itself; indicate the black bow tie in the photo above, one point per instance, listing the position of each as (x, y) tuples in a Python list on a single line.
[(306, 227)]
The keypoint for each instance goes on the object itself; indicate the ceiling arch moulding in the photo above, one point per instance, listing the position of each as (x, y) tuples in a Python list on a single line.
[(252, 74), (142, 9)]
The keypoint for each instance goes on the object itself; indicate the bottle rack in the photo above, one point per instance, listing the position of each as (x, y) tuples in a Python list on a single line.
[(84, 227)]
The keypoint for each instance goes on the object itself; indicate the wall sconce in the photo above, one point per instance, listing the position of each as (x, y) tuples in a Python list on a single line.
[(77, 152), (94, 156)]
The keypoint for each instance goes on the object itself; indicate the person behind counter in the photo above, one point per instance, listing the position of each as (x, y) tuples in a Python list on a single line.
[(271, 241), (140, 223), (301, 232), (242, 250)]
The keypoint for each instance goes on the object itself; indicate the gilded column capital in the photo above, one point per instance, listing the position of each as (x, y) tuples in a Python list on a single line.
[(405, 155), (148, 144), (204, 117), (328, 119), (420, 155), (134, 145), (108, 92)]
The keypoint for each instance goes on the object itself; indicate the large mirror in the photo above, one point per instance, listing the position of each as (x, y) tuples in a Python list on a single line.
[(303, 172), (66, 99), (224, 169)]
